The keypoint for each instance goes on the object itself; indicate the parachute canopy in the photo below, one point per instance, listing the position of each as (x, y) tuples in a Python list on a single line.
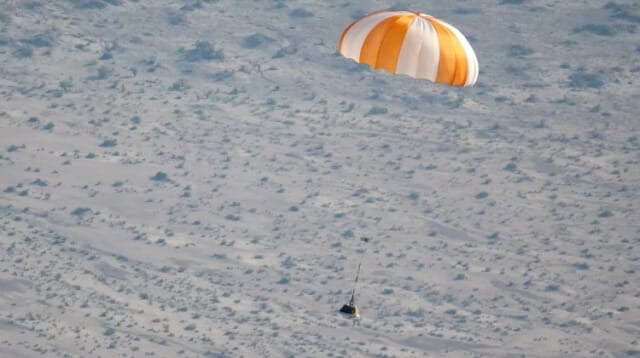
[(411, 43)]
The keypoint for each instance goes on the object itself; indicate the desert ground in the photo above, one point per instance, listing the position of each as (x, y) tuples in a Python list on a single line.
[(188, 178)]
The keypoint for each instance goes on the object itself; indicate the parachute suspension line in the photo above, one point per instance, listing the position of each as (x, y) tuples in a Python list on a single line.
[(350, 308), (353, 294)]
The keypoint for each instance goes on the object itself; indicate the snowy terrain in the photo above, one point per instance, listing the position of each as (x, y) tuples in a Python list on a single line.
[(193, 177)]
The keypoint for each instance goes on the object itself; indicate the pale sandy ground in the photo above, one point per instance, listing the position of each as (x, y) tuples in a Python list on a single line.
[(155, 203)]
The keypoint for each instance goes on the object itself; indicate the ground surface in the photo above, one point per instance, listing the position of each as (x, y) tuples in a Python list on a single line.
[(189, 178)]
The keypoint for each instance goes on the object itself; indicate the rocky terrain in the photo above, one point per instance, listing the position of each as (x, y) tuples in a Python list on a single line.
[(188, 178)]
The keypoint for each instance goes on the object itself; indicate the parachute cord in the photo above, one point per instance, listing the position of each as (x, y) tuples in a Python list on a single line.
[(353, 294)]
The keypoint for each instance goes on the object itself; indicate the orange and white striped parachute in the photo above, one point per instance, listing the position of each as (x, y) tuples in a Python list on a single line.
[(413, 44)]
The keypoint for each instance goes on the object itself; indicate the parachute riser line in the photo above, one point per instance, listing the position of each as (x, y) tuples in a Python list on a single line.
[(355, 285)]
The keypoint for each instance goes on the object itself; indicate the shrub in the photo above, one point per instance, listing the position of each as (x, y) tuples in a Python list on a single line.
[(288, 50), (4, 19), (551, 288), (109, 143), (180, 85), (510, 167), (88, 4), (160, 176), (203, 51), (283, 281), (376, 110), (581, 79), (348, 234), (30, 5), (39, 182), (596, 29), (581, 266), (300, 12), (255, 41), (40, 40), (288, 262), (66, 85), (176, 18), (80, 211), (14, 148), (623, 12), (23, 51), (605, 214), (519, 51), (103, 73)]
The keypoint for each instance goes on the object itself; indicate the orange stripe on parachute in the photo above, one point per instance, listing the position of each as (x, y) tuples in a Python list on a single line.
[(382, 46), (452, 68)]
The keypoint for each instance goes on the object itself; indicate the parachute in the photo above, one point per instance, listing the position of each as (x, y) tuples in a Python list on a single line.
[(413, 44)]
